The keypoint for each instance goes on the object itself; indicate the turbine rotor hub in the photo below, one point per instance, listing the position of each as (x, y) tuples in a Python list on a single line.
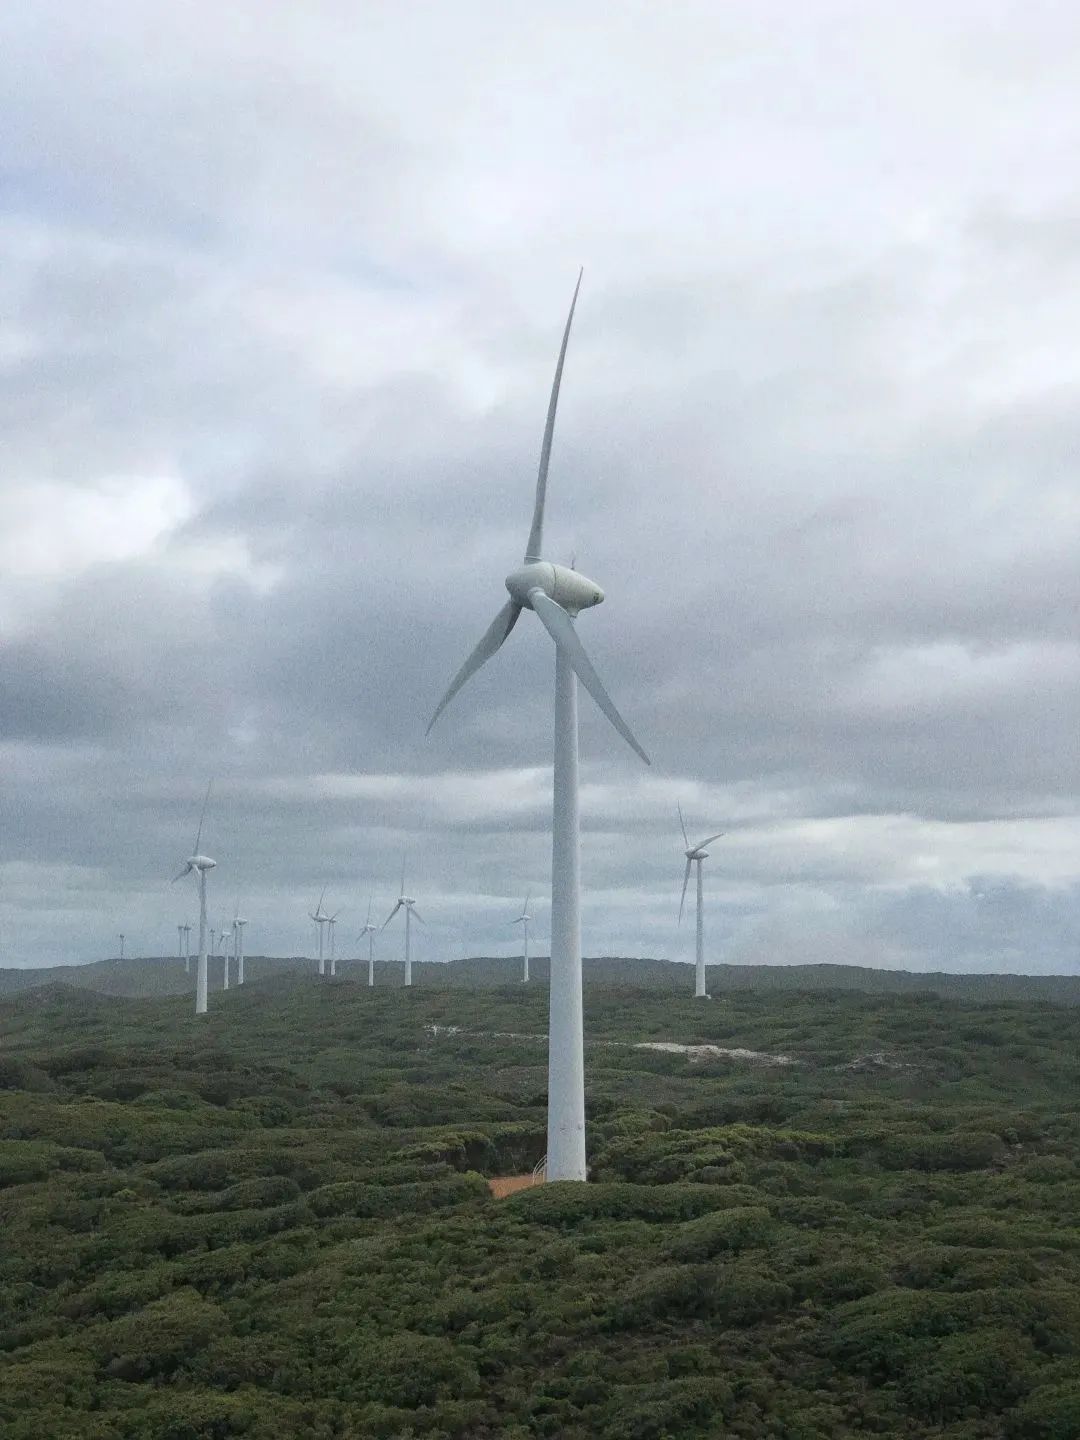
[(568, 588)]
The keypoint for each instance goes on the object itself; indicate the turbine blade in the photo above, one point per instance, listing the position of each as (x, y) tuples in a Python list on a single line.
[(702, 843), (685, 883), (492, 638), (417, 915), (561, 629), (682, 822), (404, 857), (183, 872), (536, 534), (202, 816), (389, 917), (322, 897), (370, 899)]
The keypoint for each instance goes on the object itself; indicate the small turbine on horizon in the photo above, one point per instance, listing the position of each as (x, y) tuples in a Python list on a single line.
[(331, 923), (408, 904), (121, 947), (238, 943), (556, 595), (223, 951), (523, 919), (197, 865), (695, 854), (370, 931), (320, 917)]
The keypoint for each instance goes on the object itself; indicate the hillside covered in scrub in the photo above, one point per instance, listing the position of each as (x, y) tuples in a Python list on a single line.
[(275, 1221), (143, 977)]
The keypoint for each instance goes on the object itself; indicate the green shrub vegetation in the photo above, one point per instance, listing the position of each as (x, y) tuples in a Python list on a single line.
[(275, 1221)]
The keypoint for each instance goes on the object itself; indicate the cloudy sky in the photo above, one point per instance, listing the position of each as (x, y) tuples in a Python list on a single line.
[(281, 289)]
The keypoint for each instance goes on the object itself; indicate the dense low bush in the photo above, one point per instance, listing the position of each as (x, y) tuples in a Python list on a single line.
[(277, 1222)]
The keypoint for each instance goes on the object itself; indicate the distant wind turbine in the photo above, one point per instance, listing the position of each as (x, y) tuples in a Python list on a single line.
[(370, 931), (523, 919), (180, 942), (223, 950), (121, 947), (408, 904), (556, 595), (320, 917), (197, 865), (238, 943), (695, 854), (331, 922)]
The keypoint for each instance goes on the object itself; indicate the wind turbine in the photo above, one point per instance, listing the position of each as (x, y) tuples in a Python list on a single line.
[(556, 594), (180, 942), (238, 944), (695, 854), (370, 931), (523, 919), (121, 947), (408, 904), (331, 921), (320, 917), (223, 946), (197, 865)]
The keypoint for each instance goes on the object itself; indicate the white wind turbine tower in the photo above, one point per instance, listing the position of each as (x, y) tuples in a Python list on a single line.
[(370, 931), (180, 942), (121, 947), (320, 917), (238, 943), (331, 922), (695, 854), (223, 950), (197, 865), (408, 904), (523, 919), (556, 595)]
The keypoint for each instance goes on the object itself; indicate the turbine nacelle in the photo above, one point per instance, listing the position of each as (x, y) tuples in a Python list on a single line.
[(195, 865), (567, 587)]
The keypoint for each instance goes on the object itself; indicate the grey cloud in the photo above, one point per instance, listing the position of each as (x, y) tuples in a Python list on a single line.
[(816, 443)]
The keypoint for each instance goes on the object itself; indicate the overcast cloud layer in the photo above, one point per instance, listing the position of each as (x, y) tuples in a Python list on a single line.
[(281, 290)]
